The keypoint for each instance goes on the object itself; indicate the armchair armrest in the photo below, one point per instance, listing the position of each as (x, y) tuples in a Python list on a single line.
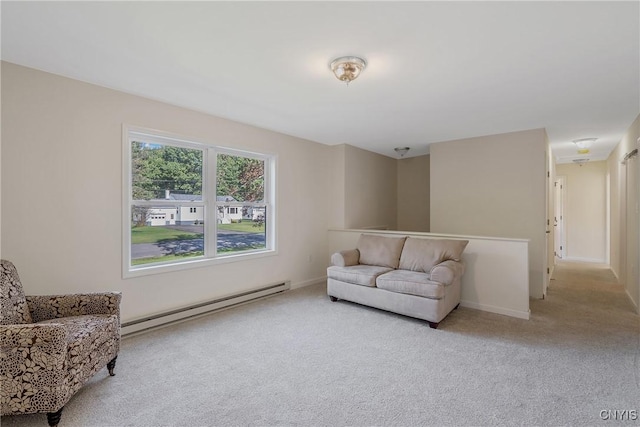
[(44, 345), (47, 307), (33, 359), (447, 271), (346, 258)]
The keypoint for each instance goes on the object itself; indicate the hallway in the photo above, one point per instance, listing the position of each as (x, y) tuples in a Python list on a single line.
[(587, 285), (584, 300)]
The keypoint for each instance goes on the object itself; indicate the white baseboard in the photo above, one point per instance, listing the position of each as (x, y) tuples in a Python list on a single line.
[(632, 301), (615, 274), (498, 310), (309, 282), (580, 259)]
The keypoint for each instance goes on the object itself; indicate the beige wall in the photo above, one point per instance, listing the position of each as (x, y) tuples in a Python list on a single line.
[(585, 213), (370, 189), (632, 284), (624, 188), (551, 174), (493, 186), (616, 183), (337, 187), (62, 194), (413, 194), (61, 152)]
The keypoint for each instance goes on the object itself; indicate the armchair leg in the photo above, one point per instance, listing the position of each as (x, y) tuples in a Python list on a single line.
[(433, 325), (53, 418), (334, 299), (112, 365)]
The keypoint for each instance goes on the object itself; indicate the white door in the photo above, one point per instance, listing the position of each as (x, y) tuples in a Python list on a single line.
[(558, 219)]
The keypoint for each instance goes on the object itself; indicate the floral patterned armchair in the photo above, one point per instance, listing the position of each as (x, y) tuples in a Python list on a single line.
[(51, 345)]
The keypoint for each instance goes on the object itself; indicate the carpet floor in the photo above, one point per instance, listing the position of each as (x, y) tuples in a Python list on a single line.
[(297, 359)]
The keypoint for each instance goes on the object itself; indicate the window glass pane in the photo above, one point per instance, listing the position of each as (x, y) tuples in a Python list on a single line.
[(165, 172), (239, 179), (241, 231), (241, 227), (165, 234)]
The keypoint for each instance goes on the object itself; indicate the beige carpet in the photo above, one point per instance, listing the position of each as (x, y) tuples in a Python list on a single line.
[(298, 359)]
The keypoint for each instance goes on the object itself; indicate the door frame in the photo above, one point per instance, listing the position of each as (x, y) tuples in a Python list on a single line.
[(559, 223)]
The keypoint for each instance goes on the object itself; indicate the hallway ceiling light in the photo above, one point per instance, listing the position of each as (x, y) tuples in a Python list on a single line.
[(401, 150), (580, 162), (584, 143)]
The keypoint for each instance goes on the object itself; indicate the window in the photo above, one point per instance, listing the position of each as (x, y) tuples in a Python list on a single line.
[(188, 201)]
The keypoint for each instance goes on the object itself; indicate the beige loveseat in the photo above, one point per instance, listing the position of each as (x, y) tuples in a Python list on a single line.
[(407, 275)]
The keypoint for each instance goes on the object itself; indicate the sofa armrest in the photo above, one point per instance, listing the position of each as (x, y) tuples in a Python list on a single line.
[(47, 307), (346, 258), (446, 272)]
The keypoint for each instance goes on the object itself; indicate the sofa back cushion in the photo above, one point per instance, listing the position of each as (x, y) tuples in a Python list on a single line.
[(13, 304), (423, 254), (380, 250)]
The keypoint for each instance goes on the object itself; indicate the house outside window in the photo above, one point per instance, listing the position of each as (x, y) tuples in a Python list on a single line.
[(191, 202)]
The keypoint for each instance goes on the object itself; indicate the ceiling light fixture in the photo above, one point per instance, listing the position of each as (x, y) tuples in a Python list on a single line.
[(584, 143), (580, 162), (401, 150), (347, 68)]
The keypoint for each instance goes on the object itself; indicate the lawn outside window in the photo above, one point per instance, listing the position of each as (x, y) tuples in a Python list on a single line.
[(188, 203)]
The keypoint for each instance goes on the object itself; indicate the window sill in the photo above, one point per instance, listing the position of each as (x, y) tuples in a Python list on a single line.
[(195, 263)]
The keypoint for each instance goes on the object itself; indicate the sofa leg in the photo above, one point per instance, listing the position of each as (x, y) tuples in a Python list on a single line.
[(334, 299), (53, 418), (112, 365), (433, 325), (456, 307)]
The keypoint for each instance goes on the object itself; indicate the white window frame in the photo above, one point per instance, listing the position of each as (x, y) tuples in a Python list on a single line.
[(208, 203)]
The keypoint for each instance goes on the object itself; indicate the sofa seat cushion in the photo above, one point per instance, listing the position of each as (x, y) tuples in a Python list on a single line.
[(86, 334), (364, 275), (411, 283)]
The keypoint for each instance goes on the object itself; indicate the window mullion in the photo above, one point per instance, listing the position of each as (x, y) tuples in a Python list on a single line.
[(209, 184), (269, 201)]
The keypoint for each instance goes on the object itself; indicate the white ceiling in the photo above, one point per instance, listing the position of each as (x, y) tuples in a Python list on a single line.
[(436, 71)]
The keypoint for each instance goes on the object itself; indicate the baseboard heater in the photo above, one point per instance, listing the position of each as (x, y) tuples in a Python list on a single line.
[(181, 314)]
